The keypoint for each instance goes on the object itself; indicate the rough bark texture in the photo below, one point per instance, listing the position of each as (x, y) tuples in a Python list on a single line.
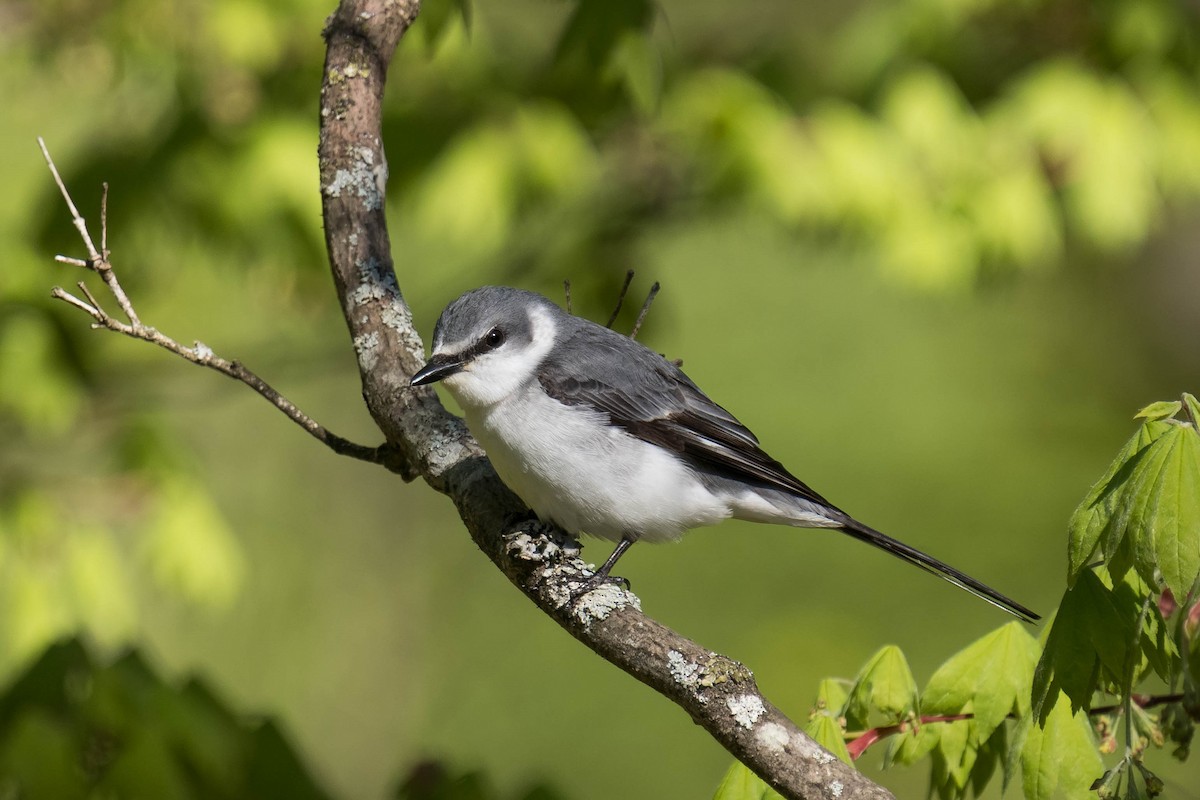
[(427, 442)]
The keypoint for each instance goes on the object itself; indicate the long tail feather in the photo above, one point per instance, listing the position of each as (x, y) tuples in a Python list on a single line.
[(930, 564)]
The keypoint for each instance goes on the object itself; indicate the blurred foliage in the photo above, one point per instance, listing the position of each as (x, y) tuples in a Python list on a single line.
[(432, 780), (73, 728), (946, 146)]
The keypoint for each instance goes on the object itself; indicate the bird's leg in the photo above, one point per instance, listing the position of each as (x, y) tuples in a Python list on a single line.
[(602, 575)]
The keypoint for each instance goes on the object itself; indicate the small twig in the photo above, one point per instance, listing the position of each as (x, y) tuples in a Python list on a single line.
[(199, 354), (567, 292), (59, 293), (80, 225), (641, 317), (83, 287), (104, 221), (1139, 700), (861, 741), (620, 298)]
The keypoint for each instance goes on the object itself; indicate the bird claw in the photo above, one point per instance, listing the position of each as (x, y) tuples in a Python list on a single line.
[(596, 580)]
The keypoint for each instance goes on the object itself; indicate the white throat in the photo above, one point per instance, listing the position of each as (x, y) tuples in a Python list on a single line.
[(492, 377)]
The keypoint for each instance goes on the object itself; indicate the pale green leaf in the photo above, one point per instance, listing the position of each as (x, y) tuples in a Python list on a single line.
[(990, 677), (189, 548), (955, 748), (1059, 759), (468, 194), (884, 685), (637, 65), (1193, 407), (913, 744), (829, 734), (831, 695), (1163, 409), (1164, 522), (1103, 512), (740, 783), (101, 589), (36, 386)]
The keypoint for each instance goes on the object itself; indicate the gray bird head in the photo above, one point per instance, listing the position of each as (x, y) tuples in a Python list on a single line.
[(488, 342)]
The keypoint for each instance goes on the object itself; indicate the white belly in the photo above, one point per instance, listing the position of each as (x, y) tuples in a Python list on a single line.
[(573, 468)]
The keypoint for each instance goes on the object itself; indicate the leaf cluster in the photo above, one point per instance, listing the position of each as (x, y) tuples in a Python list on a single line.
[(1050, 711)]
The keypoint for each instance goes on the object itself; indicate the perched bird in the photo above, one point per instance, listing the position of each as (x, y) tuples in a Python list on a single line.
[(602, 435)]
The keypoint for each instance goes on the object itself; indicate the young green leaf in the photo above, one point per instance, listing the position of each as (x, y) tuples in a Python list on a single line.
[(990, 677), (1070, 662), (1059, 758), (829, 734), (1102, 512), (740, 783), (956, 751), (885, 685), (831, 696), (1164, 409), (1193, 408), (913, 744), (1165, 522)]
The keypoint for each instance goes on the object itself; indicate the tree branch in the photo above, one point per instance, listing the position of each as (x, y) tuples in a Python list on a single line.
[(98, 261), (716, 691)]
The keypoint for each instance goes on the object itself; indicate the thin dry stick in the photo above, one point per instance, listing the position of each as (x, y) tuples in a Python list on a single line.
[(200, 353), (620, 299), (641, 317), (567, 292)]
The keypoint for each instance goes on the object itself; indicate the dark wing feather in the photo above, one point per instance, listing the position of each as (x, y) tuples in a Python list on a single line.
[(655, 401)]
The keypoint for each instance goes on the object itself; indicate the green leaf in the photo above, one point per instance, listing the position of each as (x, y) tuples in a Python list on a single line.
[(740, 783), (1163, 409), (990, 678), (913, 744), (1102, 512), (637, 64), (885, 685), (955, 750), (1059, 758), (990, 755), (596, 26), (190, 549), (36, 382), (39, 757), (829, 734), (1069, 663), (437, 14), (1193, 407), (1165, 520), (831, 696)]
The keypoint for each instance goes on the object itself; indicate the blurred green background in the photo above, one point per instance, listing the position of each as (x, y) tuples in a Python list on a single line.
[(934, 252)]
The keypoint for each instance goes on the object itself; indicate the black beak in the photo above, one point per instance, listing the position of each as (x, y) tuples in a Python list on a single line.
[(438, 367)]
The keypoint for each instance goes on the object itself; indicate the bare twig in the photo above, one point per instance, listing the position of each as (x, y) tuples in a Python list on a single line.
[(200, 353), (104, 220), (620, 298), (1139, 700), (567, 292), (641, 317)]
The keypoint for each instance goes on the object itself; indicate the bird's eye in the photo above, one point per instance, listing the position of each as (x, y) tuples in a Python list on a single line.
[(494, 338)]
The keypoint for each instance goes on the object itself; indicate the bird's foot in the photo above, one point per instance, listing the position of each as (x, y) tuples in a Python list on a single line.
[(596, 580)]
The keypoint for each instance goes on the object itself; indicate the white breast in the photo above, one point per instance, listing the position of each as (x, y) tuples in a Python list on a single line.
[(575, 469)]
